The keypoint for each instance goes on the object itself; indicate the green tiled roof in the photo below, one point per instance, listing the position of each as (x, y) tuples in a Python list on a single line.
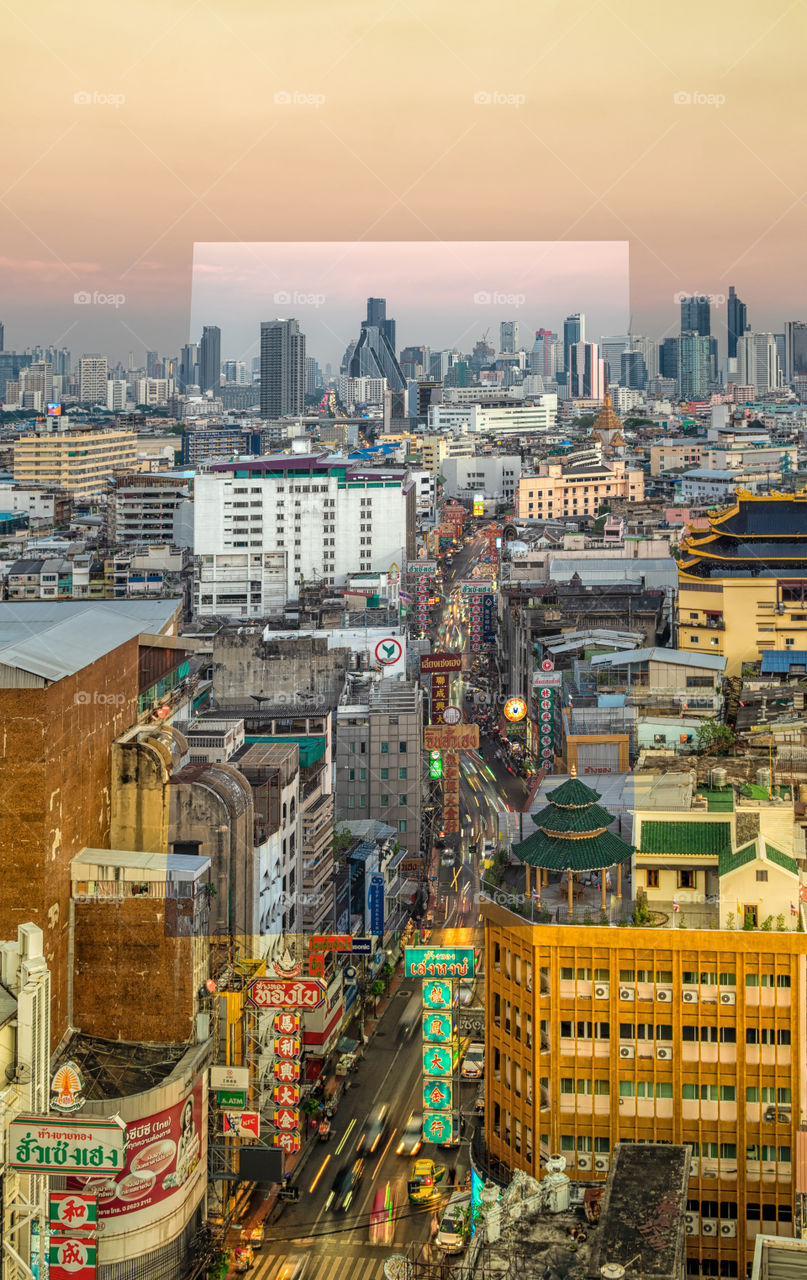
[(781, 859), (574, 793), (728, 861), (591, 854), (699, 838), (592, 818)]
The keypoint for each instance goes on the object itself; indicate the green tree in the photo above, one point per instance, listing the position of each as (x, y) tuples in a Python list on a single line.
[(714, 736)]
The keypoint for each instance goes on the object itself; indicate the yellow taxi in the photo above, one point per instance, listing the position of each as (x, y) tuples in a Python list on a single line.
[(423, 1184)]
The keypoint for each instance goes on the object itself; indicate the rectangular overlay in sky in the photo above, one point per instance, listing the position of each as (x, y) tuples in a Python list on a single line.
[(442, 294)]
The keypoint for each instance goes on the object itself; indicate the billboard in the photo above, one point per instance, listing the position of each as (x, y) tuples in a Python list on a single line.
[(281, 993), (439, 662), (451, 737), (375, 901), (162, 1153), (37, 1144), (434, 962)]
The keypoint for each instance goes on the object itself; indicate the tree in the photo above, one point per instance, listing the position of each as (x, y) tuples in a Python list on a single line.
[(714, 736)]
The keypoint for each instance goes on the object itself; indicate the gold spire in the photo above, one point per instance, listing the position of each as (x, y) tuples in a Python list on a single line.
[(573, 771)]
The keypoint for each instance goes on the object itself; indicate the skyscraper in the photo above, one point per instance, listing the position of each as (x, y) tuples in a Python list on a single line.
[(574, 330), (795, 365), (758, 363), (736, 321), (188, 366), (611, 348), (508, 337), (694, 365), (92, 379), (210, 358), (633, 372), (668, 358), (649, 349), (2, 336), (695, 315), (374, 355), (586, 371), (546, 357), (282, 368)]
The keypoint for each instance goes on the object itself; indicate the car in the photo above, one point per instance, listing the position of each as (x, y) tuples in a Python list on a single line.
[(344, 1186), (382, 1218), (455, 1224), (423, 1187), (447, 859), (375, 1126), (473, 1064), (412, 1136)]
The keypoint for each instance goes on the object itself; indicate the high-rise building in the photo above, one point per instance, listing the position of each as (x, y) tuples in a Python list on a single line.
[(586, 377), (188, 367), (611, 348), (2, 336), (92, 379), (574, 330), (795, 365), (694, 365), (758, 363), (737, 321), (632, 372), (508, 337), (282, 368), (313, 379), (695, 315), (79, 462), (210, 358), (649, 348), (374, 354), (116, 394), (668, 358), (546, 356)]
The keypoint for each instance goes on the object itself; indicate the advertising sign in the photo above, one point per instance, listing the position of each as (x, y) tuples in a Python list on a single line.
[(437, 1060), (286, 1119), (547, 680), (388, 651), (286, 1095), (433, 962), (229, 1077), (515, 709), (451, 737), (244, 1124), (438, 995), (287, 1069), (488, 618), (277, 993), (438, 1028), (70, 1211), (288, 1142), (286, 1024), (474, 589), (437, 1126), (375, 901), (438, 1095), (37, 1144), (434, 662), (416, 567), (66, 1088), (287, 1046), (72, 1258), (162, 1152), (232, 1099), (479, 504)]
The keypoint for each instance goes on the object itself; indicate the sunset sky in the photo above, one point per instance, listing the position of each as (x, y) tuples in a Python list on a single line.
[(410, 121)]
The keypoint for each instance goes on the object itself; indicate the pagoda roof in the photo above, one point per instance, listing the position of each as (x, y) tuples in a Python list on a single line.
[(768, 516), (588, 853), (606, 419), (556, 818), (574, 794)]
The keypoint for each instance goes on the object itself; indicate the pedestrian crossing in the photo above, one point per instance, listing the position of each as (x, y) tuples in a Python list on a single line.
[(324, 1264)]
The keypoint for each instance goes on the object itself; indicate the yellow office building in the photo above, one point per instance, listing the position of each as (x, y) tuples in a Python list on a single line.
[(742, 588), (80, 462)]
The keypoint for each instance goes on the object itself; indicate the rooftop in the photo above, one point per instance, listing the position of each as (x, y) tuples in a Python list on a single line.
[(642, 1211), (114, 1069), (156, 866), (675, 657)]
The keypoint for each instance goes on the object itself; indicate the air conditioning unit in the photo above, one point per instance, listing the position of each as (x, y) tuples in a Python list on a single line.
[(627, 993), (728, 1228), (664, 1053), (602, 991), (627, 1051), (728, 997), (601, 1163), (693, 1222), (690, 996), (709, 1227), (584, 1162), (665, 994), (690, 1230)]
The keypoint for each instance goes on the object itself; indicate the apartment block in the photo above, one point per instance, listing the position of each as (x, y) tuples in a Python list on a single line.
[(143, 507), (78, 462), (560, 489)]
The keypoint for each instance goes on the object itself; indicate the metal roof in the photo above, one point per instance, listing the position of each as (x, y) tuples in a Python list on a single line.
[(160, 864), (55, 639), (776, 661), (675, 657)]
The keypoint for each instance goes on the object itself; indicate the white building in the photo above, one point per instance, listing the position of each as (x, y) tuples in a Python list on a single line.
[(425, 483), (495, 420), (494, 477), (701, 485), (153, 390), (92, 379), (758, 363), (360, 390), (116, 394), (263, 526)]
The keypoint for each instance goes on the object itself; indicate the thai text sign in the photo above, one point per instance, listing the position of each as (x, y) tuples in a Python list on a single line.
[(277, 993), (450, 737), (417, 567), (431, 962), (37, 1144), (439, 662)]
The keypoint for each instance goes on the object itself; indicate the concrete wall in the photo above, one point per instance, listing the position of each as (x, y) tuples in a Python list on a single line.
[(245, 664), (142, 762)]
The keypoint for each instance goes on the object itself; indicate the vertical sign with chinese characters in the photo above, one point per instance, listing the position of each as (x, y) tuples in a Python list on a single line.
[(287, 1046), (451, 792), (72, 1258), (439, 696), (438, 1032)]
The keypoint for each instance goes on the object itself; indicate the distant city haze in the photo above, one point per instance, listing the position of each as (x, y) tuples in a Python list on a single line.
[(442, 295)]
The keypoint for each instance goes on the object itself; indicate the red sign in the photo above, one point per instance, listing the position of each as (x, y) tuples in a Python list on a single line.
[(72, 1258), (286, 1119), (70, 1211), (274, 993), (287, 1069), (286, 1024), (433, 662), (162, 1152), (286, 1095), (288, 1142), (287, 1047)]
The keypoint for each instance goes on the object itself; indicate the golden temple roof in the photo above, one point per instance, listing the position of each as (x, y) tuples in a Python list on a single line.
[(607, 423)]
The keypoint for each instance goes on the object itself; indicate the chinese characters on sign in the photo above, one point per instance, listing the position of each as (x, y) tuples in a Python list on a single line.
[(72, 1258), (451, 793), (70, 1211)]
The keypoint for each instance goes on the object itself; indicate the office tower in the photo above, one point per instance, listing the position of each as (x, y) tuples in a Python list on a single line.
[(649, 349), (695, 317), (116, 394), (546, 356), (344, 367), (153, 364), (633, 372), (781, 355), (282, 368), (694, 366), (483, 354), (508, 337), (611, 349), (374, 355), (210, 358), (413, 362), (668, 358), (2, 336), (795, 365), (736, 321), (188, 367), (574, 330), (92, 379), (758, 363), (586, 371)]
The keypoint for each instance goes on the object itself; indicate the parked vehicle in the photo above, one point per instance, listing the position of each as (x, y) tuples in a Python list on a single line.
[(473, 1064), (455, 1224)]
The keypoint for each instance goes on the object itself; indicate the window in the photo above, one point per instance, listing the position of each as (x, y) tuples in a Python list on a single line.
[(728, 979), (762, 875), (567, 1085), (686, 879), (402, 797), (626, 975), (402, 748), (384, 748), (652, 879), (384, 775), (566, 975), (384, 798), (402, 774), (402, 826)]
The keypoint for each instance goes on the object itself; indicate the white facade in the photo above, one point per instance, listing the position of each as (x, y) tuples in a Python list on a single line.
[(496, 419), (495, 477), (36, 503), (116, 394), (700, 485), (758, 363), (426, 489), (92, 379), (260, 531), (153, 390), (360, 390)]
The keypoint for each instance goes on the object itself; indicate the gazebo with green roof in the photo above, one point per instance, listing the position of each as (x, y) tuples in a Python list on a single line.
[(573, 836)]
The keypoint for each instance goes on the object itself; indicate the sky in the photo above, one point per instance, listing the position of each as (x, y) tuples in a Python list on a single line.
[(441, 295), (139, 133)]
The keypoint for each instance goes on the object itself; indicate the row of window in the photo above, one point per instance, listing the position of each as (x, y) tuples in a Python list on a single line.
[(383, 773), (584, 1030), (351, 746), (661, 977)]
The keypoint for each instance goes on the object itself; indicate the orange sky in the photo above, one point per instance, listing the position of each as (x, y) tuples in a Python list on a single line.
[(582, 139)]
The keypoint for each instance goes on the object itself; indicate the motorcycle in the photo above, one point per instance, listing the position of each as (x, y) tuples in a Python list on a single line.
[(324, 1130)]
